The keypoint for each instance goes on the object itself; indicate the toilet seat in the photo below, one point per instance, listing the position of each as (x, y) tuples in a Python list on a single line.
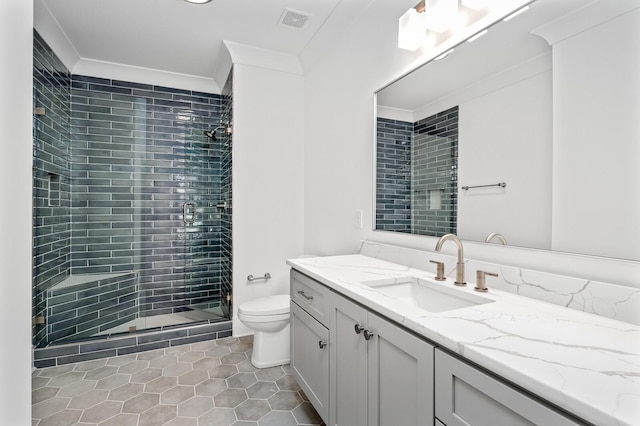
[(251, 320), (269, 305)]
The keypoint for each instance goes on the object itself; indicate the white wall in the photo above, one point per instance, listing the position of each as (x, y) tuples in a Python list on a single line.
[(506, 136), (16, 46), (598, 199), (268, 197)]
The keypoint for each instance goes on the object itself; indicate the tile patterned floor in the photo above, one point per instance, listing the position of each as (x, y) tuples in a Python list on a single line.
[(203, 384)]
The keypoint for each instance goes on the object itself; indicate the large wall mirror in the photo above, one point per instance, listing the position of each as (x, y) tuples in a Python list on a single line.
[(531, 131)]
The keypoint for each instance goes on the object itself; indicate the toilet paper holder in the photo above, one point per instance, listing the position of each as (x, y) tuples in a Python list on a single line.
[(264, 277)]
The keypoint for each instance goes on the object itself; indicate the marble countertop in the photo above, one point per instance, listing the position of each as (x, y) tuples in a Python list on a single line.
[(586, 364)]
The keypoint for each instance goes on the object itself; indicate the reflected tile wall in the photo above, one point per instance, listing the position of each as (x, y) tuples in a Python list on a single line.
[(434, 178), (393, 175), (416, 174)]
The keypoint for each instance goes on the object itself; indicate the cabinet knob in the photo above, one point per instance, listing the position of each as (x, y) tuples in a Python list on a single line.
[(322, 344), (368, 335), (358, 329)]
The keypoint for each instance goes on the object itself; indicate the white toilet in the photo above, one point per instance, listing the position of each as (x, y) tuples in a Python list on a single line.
[(269, 318)]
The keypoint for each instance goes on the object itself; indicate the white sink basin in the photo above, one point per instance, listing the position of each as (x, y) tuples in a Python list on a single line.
[(426, 295)]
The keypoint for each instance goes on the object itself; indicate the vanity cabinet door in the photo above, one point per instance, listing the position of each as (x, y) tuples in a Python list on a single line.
[(381, 375), (349, 364), (400, 376), (466, 396), (310, 358)]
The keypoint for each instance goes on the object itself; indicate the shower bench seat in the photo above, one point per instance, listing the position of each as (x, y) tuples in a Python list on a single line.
[(83, 305)]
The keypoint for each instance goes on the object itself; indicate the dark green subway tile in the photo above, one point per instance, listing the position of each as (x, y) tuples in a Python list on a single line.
[(120, 83), (107, 344), (161, 336)]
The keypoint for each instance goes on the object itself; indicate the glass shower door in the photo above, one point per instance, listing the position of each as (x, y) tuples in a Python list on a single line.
[(209, 249)]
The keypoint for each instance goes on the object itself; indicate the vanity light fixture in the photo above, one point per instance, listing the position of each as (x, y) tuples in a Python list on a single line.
[(197, 1), (412, 31), (432, 21), (440, 15), (477, 36), (516, 13)]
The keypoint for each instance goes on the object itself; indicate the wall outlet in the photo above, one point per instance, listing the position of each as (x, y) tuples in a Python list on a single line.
[(357, 218)]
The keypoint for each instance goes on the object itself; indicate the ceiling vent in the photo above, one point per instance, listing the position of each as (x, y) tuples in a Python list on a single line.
[(294, 19)]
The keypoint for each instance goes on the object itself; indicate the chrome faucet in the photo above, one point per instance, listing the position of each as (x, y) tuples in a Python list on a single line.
[(460, 265), (497, 236)]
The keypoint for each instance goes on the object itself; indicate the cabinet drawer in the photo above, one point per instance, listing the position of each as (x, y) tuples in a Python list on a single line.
[(311, 296), (466, 396)]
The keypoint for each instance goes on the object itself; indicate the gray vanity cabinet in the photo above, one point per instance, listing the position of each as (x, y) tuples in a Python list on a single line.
[(310, 340), (466, 396), (359, 369), (382, 374)]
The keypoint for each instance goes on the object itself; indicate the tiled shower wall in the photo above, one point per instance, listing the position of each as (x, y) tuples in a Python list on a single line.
[(51, 177), (114, 164), (416, 181), (393, 175), (138, 156)]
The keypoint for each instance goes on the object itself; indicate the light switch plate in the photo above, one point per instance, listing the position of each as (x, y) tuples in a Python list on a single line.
[(358, 219)]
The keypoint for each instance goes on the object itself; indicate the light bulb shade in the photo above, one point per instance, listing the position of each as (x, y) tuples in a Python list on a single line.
[(440, 15), (412, 32), (474, 4)]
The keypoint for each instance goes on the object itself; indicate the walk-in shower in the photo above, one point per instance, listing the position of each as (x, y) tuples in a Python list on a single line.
[(131, 206)]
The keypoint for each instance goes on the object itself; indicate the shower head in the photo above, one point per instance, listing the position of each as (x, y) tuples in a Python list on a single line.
[(212, 133)]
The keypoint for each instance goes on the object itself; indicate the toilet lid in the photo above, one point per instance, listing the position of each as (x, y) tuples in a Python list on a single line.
[(269, 305)]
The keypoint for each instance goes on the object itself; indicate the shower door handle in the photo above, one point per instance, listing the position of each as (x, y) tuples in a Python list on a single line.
[(188, 213)]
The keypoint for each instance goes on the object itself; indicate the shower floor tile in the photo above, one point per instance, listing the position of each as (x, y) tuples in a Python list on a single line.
[(151, 393)]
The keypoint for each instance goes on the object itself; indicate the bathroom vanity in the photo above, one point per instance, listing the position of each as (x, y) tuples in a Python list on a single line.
[(366, 351)]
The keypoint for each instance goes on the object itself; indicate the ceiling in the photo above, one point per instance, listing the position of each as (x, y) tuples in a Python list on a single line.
[(178, 37)]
